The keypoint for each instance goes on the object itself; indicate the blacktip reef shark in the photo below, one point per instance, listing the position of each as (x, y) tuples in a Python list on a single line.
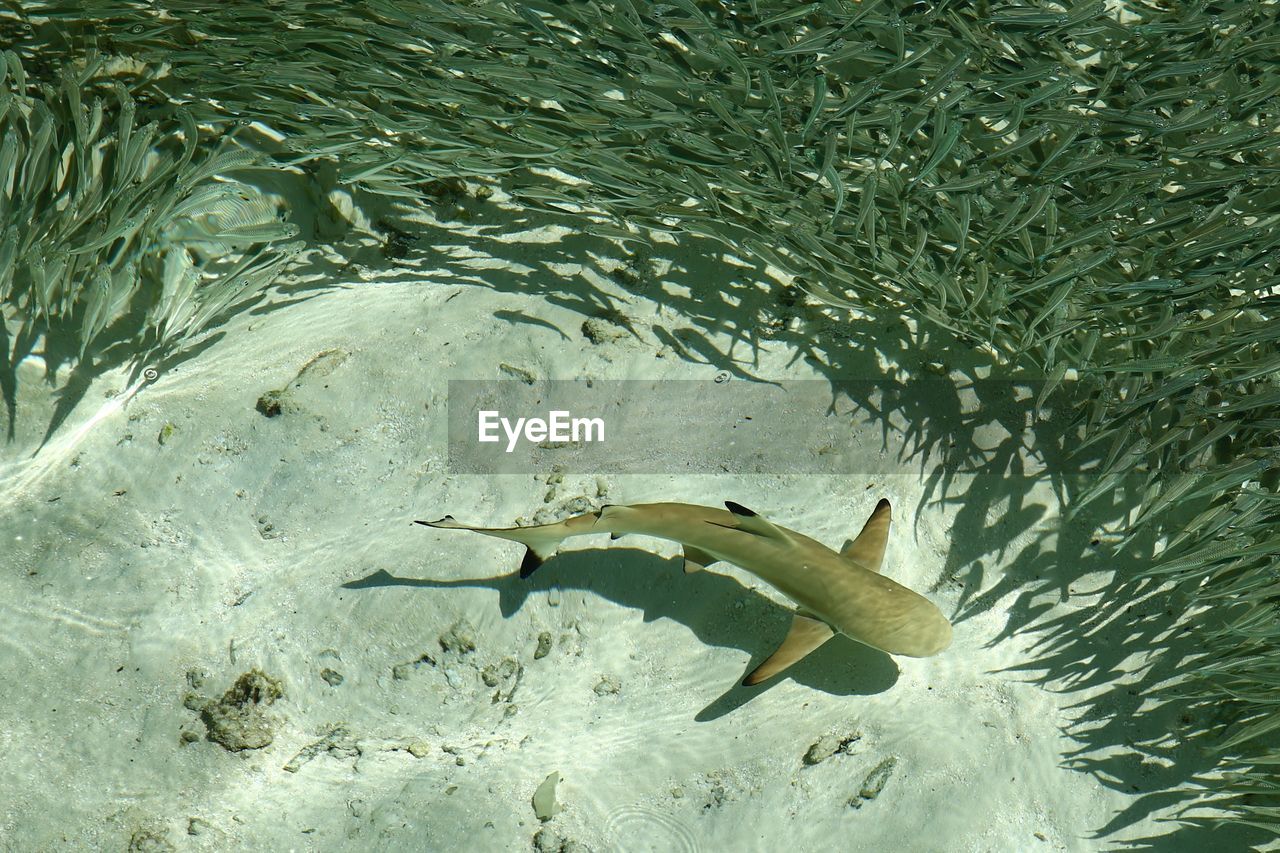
[(834, 591)]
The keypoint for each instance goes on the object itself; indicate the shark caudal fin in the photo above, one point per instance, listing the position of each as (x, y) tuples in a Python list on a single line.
[(541, 541)]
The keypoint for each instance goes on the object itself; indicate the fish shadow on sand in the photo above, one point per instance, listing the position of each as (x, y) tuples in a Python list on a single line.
[(718, 609)]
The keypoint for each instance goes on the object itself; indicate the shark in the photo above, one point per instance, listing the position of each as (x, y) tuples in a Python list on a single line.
[(835, 592)]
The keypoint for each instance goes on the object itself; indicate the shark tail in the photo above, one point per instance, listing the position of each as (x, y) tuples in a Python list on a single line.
[(541, 541)]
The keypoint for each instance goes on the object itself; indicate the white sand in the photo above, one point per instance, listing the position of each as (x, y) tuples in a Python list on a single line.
[(129, 564)]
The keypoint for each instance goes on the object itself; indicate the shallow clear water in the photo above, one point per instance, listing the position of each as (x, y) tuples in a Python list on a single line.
[(143, 575), (222, 629)]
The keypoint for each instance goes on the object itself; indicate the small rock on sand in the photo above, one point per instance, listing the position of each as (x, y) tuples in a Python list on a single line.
[(460, 638), (545, 806), (874, 783)]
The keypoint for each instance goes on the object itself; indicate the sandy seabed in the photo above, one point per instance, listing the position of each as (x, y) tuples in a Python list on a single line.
[(222, 631)]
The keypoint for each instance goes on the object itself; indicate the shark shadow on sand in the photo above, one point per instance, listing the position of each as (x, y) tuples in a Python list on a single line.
[(718, 609)]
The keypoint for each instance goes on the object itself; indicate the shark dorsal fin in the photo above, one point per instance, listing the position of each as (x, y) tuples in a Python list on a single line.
[(696, 559), (753, 522), (806, 634), (868, 549)]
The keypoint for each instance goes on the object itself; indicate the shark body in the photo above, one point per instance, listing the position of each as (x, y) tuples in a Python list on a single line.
[(834, 591)]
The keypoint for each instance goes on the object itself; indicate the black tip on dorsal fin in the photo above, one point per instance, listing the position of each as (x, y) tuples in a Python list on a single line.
[(530, 563), (884, 502), (753, 522), (448, 518)]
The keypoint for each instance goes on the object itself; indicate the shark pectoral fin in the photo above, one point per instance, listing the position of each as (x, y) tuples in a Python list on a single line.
[(806, 634), (868, 549), (753, 522), (696, 559)]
